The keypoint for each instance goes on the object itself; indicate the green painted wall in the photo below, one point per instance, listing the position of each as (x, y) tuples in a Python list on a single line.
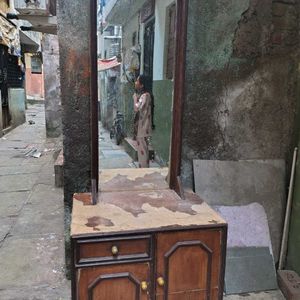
[(162, 91)]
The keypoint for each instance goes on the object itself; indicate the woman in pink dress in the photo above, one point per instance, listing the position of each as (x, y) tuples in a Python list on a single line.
[(143, 106)]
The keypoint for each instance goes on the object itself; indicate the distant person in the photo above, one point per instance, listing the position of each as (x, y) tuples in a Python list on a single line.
[(143, 108)]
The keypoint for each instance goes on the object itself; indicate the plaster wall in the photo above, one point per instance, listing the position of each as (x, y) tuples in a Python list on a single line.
[(52, 86), (160, 38), (74, 48), (240, 82)]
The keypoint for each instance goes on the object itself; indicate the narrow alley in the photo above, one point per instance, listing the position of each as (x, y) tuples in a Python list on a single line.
[(149, 150), (31, 214)]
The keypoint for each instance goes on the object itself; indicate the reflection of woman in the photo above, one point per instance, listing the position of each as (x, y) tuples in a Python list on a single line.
[(142, 105)]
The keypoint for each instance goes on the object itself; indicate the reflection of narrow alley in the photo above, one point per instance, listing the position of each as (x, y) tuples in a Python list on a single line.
[(112, 156)]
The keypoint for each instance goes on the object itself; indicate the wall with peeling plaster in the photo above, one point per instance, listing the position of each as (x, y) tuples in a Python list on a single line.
[(52, 85), (242, 78), (73, 34)]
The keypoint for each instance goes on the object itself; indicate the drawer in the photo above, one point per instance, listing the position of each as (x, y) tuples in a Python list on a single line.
[(113, 250)]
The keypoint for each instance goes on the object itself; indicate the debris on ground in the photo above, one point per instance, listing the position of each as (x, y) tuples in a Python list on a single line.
[(33, 153), (30, 122)]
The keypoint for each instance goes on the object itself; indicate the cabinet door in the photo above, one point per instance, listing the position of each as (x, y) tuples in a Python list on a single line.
[(119, 282), (189, 265)]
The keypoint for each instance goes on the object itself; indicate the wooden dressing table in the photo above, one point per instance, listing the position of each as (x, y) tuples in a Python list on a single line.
[(142, 241), (135, 238)]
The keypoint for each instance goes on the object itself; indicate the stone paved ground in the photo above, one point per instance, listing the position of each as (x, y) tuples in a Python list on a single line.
[(31, 215)]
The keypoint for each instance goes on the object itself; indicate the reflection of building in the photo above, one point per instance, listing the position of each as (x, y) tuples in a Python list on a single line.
[(13, 44), (42, 79), (148, 32)]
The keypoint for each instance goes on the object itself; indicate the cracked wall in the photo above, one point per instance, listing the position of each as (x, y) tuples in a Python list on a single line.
[(241, 80)]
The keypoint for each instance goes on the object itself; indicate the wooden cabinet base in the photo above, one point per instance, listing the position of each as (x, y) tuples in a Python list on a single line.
[(147, 245)]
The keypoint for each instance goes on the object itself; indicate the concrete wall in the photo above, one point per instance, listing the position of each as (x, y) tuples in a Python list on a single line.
[(52, 86), (160, 38), (74, 46), (241, 78), (75, 92), (16, 102)]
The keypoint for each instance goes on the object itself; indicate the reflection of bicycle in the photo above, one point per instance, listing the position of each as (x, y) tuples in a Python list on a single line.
[(116, 130)]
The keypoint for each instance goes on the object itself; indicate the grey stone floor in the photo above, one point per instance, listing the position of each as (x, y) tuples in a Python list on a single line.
[(31, 214)]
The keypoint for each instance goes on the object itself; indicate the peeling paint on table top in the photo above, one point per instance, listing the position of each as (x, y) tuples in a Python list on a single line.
[(127, 211), (133, 179)]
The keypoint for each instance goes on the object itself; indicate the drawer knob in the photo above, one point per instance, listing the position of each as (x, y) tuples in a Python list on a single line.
[(160, 281), (114, 250), (144, 286)]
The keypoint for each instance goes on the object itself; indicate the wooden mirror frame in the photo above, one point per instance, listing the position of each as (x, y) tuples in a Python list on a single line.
[(179, 94)]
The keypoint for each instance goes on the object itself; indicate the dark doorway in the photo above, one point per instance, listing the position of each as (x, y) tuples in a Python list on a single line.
[(4, 86), (149, 48)]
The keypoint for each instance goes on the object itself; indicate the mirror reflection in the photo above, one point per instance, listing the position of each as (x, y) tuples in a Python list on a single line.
[(136, 55)]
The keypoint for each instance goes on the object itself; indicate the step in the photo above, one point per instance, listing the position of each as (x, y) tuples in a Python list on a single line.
[(130, 147), (59, 170), (289, 283)]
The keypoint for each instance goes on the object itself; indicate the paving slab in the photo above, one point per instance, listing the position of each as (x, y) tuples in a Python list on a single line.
[(42, 214), (32, 261), (12, 202), (19, 169), (18, 182), (6, 223), (249, 269)]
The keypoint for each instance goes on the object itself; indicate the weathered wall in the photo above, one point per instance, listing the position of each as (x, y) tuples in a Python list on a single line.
[(73, 35), (52, 85), (241, 81)]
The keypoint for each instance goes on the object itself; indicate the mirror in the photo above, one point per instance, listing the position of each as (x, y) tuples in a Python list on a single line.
[(135, 38)]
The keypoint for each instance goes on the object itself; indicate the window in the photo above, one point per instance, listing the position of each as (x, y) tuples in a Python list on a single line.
[(36, 65)]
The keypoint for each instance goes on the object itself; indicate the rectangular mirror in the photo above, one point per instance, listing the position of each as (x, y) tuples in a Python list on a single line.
[(140, 58)]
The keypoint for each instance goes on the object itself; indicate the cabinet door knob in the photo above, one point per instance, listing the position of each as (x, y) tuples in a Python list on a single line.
[(114, 250), (144, 286), (160, 281)]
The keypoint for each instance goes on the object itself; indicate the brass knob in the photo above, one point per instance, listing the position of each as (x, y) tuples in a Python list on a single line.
[(160, 281), (114, 250), (144, 286)]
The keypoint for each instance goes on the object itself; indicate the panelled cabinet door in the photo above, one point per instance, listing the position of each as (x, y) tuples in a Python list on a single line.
[(188, 265), (122, 282)]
